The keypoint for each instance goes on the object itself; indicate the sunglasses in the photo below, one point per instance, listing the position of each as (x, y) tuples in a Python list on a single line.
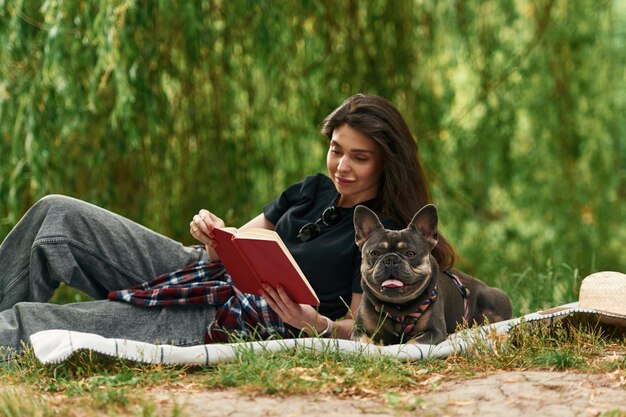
[(310, 231)]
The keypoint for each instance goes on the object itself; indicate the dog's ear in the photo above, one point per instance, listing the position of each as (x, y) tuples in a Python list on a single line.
[(425, 222), (365, 222)]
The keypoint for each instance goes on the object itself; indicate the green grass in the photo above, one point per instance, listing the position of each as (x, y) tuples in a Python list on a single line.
[(107, 386), (302, 371), (87, 381), (536, 289), (613, 413)]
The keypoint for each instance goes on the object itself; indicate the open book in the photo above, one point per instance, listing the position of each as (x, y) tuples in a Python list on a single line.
[(254, 256)]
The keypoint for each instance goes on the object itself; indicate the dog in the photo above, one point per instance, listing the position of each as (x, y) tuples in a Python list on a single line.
[(406, 298)]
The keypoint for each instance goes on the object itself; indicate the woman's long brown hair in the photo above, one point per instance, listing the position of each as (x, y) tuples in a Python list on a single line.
[(404, 188)]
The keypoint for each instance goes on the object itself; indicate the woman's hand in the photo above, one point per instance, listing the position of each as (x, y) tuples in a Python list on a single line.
[(201, 228), (300, 316)]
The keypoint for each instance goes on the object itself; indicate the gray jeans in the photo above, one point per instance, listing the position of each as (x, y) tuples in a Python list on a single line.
[(61, 239)]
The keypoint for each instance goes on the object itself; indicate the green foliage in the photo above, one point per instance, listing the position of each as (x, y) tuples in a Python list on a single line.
[(157, 109)]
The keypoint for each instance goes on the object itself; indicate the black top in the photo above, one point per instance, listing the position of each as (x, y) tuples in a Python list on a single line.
[(331, 262)]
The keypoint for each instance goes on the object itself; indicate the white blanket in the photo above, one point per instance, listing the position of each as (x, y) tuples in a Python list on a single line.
[(51, 346)]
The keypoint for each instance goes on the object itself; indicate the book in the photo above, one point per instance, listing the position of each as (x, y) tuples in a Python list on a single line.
[(254, 256)]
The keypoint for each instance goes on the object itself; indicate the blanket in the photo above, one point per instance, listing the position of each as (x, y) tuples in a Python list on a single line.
[(54, 346)]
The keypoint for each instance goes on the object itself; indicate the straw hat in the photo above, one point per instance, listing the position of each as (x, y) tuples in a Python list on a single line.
[(604, 291), (601, 301)]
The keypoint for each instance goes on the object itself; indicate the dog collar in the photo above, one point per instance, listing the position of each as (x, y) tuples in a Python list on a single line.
[(409, 321)]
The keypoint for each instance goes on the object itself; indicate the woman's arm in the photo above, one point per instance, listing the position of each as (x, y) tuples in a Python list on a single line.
[(259, 221), (306, 318), (344, 327), (341, 329)]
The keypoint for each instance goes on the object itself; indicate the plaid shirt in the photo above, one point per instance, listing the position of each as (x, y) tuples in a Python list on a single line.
[(245, 315)]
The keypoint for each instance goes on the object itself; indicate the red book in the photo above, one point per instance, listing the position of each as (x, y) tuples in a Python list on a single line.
[(255, 255)]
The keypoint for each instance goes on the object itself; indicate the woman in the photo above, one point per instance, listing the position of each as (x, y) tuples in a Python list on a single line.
[(372, 160)]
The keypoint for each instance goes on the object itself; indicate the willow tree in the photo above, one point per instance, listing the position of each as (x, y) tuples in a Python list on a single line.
[(156, 109)]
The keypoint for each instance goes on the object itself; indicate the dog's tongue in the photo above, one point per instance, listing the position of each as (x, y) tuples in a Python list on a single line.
[(392, 283)]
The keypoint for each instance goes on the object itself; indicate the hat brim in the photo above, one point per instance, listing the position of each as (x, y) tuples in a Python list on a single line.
[(572, 314)]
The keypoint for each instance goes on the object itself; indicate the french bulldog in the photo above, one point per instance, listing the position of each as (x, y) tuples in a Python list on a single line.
[(406, 298)]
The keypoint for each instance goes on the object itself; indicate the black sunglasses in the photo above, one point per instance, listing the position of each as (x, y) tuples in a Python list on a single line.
[(310, 231)]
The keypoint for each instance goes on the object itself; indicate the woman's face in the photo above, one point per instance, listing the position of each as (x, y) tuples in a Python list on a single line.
[(355, 164)]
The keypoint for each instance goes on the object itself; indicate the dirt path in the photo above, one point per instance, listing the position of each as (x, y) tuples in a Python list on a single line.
[(508, 394)]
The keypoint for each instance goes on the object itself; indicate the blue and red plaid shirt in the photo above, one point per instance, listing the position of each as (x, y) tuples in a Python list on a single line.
[(247, 316)]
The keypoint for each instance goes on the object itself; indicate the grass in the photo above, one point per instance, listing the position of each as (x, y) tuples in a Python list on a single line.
[(613, 413), (536, 289), (301, 372), (99, 385)]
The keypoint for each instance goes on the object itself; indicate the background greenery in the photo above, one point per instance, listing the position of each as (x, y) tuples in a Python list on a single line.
[(155, 109)]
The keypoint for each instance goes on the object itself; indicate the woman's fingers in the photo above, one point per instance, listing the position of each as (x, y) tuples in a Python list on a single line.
[(274, 300), (286, 301), (269, 294), (194, 230), (199, 230), (290, 312), (202, 225), (210, 219)]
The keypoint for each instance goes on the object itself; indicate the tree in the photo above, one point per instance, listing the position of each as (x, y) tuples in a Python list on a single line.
[(156, 109)]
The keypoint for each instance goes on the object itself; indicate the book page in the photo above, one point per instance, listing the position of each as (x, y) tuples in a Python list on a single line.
[(258, 233)]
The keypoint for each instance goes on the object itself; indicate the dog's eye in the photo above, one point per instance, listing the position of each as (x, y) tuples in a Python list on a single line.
[(375, 252), (409, 254)]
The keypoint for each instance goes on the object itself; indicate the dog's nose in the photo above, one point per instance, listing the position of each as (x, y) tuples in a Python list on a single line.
[(391, 260)]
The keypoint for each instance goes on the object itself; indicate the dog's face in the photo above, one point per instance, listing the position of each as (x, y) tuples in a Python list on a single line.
[(396, 264)]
